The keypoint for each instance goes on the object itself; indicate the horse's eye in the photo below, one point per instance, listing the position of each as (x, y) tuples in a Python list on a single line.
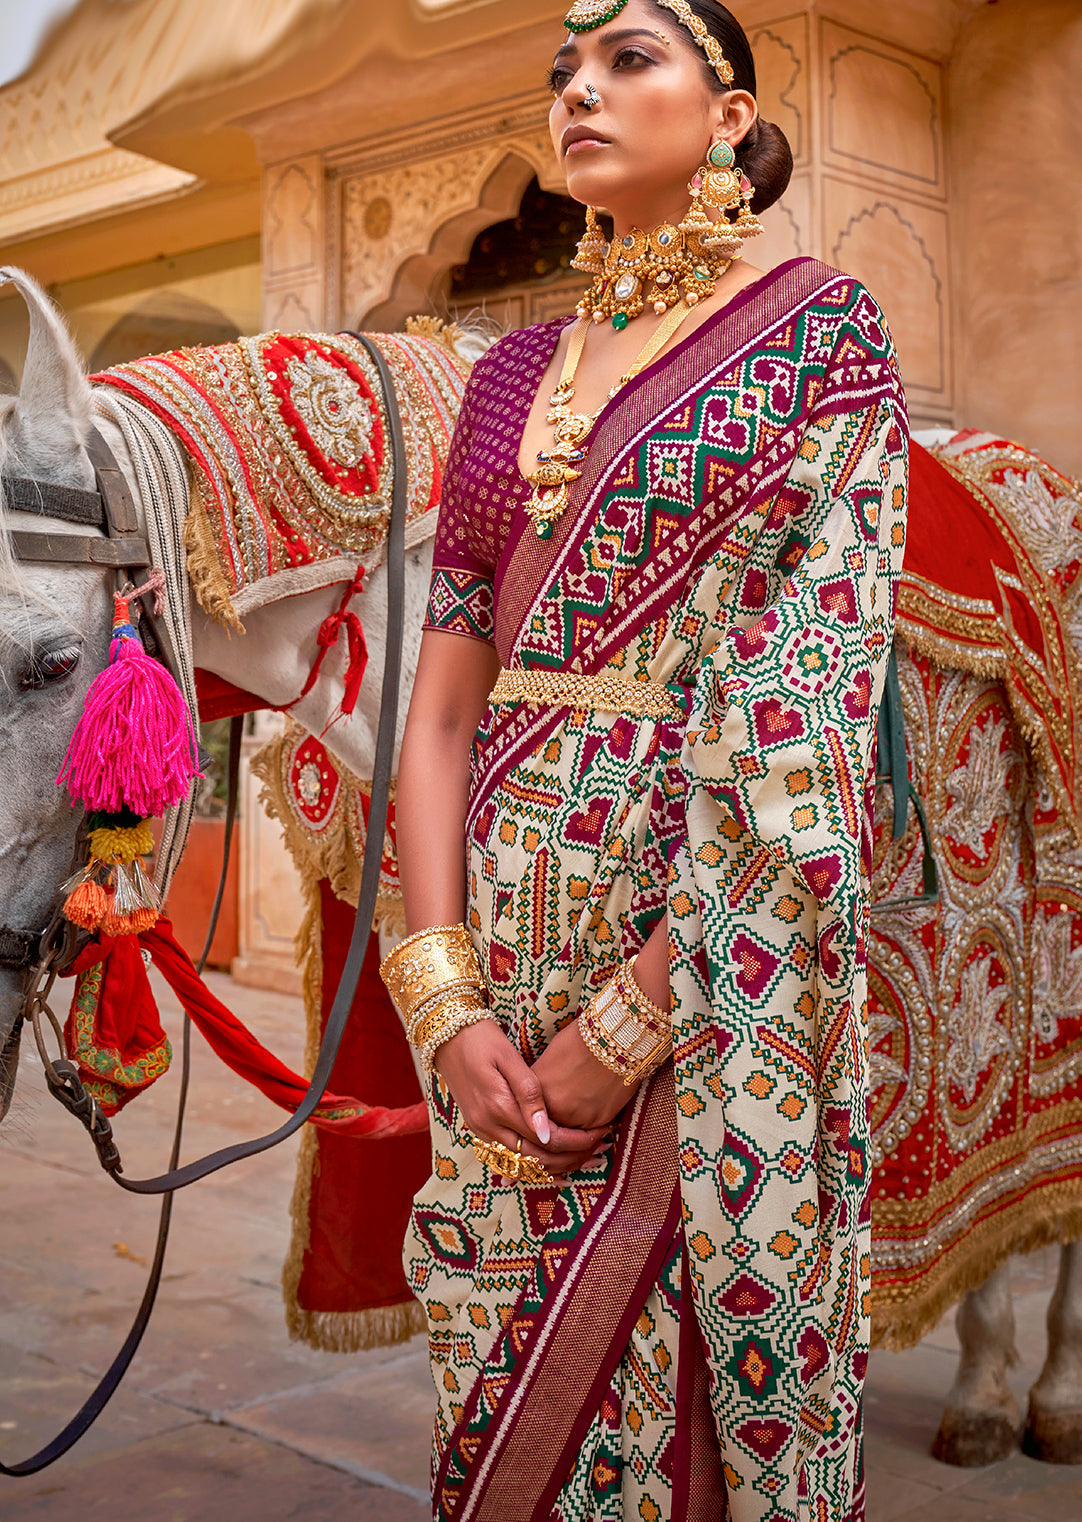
[(50, 666)]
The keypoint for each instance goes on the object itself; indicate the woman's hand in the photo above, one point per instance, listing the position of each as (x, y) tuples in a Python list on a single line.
[(500, 1099), (579, 1090)]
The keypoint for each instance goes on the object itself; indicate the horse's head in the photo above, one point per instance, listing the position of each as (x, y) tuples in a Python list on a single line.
[(54, 637)]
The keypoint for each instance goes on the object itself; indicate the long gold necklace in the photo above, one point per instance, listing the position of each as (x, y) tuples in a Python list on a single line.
[(556, 465)]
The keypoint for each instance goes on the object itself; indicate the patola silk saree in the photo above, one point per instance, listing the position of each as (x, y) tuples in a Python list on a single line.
[(684, 1327)]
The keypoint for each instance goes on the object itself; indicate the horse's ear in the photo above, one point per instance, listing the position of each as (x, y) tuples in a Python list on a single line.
[(47, 428)]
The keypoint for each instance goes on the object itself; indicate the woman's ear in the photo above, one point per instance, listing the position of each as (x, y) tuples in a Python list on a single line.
[(734, 116)]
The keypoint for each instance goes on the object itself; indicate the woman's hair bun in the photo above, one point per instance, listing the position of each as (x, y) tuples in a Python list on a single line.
[(767, 160)]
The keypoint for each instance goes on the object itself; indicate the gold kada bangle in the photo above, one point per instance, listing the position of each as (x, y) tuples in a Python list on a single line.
[(427, 962), (435, 980), (625, 1030), (439, 1023)]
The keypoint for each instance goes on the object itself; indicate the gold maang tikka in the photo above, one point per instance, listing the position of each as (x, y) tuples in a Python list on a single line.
[(587, 15)]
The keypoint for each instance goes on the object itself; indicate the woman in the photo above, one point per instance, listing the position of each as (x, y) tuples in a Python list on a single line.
[(689, 584)]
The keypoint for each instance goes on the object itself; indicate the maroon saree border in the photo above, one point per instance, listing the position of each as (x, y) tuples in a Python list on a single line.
[(517, 731), (663, 379), (698, 1483), (547, 1408)]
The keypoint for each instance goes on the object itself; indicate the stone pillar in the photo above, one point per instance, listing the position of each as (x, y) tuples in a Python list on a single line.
[(294, 245), (270, 902), (1016, 115)]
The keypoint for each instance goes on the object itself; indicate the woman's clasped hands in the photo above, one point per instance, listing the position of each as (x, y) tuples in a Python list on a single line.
[(560, 1110)]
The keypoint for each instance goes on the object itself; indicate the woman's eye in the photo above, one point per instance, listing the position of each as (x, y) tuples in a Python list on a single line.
[(51, 666), (558, 80), (629, 56)]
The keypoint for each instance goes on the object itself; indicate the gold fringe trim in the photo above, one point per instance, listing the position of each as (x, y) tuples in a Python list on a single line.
[(309, 948), (334, 854), (204, 563), (966, 1267), (448, 334), (356, 1331)]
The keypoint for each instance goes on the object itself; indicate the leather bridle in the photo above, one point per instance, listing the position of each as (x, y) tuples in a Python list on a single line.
[(118, 544), (115, 510)]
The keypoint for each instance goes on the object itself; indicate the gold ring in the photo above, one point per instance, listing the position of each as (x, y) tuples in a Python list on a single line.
[(519, 1165)]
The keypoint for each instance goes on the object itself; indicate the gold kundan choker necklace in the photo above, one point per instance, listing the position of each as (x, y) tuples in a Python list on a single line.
[(655, 270), (556, 466)]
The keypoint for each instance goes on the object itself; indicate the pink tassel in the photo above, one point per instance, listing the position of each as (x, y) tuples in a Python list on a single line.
[(134, 746)]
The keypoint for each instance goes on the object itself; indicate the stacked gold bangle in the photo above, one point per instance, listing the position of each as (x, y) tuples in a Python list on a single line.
[(435, 980), (625, 1030)]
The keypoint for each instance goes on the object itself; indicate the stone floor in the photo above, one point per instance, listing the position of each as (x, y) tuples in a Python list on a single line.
[(222, 1419)]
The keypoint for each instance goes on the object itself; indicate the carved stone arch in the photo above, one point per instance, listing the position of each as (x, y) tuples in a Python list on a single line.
[(420, 276)]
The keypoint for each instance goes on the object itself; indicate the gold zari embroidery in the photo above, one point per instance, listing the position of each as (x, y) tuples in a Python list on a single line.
[(570, 689)]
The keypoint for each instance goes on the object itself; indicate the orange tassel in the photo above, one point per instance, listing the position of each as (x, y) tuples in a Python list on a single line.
[(87, 905)]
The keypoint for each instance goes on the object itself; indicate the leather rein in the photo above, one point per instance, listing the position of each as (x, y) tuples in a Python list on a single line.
[(45, 954)]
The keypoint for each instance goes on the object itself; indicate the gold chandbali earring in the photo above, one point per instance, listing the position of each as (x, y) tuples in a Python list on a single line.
[(590, 254), (719, 184)]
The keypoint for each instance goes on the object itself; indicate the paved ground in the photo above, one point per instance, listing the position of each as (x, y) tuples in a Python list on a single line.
[(222, 1419)]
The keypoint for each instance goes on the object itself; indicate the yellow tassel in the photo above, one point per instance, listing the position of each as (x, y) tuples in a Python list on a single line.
[(124, 844)]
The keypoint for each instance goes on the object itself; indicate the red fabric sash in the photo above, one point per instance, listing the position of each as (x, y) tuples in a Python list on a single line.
[(126, 1024)]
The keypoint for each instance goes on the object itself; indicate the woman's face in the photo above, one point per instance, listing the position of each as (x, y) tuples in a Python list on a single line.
[(634, 152)]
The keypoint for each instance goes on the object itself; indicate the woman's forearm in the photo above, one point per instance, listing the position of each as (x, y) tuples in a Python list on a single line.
[(454, 677), (652, 965)]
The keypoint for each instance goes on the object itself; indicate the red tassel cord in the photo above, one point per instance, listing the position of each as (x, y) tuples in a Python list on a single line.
[(357, 660)]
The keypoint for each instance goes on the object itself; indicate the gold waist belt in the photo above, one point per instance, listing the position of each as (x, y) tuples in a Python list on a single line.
[(567, 689)]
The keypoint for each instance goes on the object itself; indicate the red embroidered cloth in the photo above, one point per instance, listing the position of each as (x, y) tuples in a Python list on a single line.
[(975, 1005), (289, 438)]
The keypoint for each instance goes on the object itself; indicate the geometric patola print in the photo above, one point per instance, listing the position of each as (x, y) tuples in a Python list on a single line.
[(735, 537)]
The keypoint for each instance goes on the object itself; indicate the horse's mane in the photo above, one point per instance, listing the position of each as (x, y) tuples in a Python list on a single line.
[(12, 578)]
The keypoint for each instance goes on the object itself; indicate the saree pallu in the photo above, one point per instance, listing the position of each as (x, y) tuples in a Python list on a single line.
[(736, 536)]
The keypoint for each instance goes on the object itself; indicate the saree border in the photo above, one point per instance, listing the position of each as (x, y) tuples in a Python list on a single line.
[(632, 1227), (518, 731), (661, 379)]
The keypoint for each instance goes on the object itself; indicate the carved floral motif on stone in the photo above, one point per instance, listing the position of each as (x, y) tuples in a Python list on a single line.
[(414, 202)]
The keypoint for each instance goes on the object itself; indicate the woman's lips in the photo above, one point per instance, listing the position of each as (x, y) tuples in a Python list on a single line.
[(580, 136), (582, 143)]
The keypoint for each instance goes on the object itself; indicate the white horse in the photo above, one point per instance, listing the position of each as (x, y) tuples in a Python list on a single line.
[(54, 622)]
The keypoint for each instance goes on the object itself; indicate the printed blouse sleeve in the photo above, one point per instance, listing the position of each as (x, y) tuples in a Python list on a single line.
[(460, 598)]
